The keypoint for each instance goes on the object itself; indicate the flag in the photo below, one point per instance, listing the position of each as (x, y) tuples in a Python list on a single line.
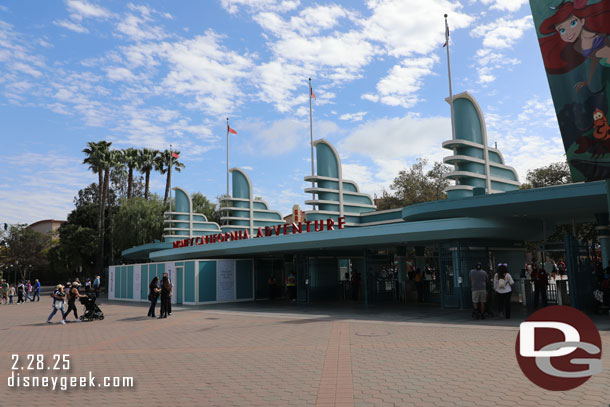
[(174, 155), (446, 34), (313, 94), (231, 130)]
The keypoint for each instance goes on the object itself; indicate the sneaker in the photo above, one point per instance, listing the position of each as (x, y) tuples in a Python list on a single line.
[(49, 321), (63, 321)]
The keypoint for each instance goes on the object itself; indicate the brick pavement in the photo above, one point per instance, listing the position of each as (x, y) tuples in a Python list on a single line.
[(223, 357)]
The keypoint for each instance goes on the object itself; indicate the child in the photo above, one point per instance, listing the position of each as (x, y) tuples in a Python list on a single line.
[(11, 293)]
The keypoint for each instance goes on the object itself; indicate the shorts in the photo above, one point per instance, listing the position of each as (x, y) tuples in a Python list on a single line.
[(479, 296)]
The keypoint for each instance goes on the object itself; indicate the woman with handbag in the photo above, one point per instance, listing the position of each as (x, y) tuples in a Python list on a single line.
[(502, 286), (58, 303), (153, 294), (166, 289)]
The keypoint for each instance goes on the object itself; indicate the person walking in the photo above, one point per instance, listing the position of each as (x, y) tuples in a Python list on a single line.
[(355, 285), (58, 303), (36, 291), (88, 286), (153, 295), (503, 287), (28, 290), (166, 289), (96, 286), (271, 283), (419, 285), (291, 286), (11, 293), (20, 292), (73, 294), (4, 291), (541, 281), (169, 304), (478, 285)]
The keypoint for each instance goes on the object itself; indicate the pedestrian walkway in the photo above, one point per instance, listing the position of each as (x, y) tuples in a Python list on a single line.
[(279, 354)]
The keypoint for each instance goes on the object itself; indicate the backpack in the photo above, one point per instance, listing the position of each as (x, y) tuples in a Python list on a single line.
[(501, 283)]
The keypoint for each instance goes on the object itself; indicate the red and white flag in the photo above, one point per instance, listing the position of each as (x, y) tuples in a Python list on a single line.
[(174, 155), (313, 95), (230, 130)]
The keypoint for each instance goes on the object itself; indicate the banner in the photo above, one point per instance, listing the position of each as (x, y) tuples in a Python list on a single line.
[(573, 38), (225, 290)]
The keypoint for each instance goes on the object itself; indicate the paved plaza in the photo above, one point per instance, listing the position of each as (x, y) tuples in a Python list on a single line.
[(282, 355)]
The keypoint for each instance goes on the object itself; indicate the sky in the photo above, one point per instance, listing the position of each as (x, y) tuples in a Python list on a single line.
[(155, 73)]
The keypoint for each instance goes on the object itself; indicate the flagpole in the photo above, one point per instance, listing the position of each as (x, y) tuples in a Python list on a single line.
[(449, 71), (313, 194), (227, 156)]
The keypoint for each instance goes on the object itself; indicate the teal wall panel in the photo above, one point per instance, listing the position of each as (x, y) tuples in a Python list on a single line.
[(160, 270), (130, 293), (144, 282), (124, 282), (189, 281), (243, 277), (117, 282), (207, 281), (178, 287)]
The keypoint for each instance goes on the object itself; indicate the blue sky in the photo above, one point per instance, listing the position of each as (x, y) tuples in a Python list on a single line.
[(169, 72)]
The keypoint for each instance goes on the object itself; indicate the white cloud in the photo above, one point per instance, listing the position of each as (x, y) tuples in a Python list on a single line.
[(82, 9), (498, 37), (502, 33), (412, 27), (354, 117), (400, 86), (43, 186), (208, 72), (505, 5), (404, 140), (528, 139), (281, 137), (72, 26), (488, 61), (137, 26), (233, 6)]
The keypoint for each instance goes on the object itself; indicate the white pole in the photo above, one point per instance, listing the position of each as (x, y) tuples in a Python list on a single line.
[(227, 156), (313, 194), (170, 177), (449, 71)]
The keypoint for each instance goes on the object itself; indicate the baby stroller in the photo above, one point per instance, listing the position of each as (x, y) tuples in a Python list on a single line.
[(92, 311)]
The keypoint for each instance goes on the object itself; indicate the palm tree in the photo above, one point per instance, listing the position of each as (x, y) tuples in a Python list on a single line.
[(96, 157), (146, 164), (164, 163), (130, 158)]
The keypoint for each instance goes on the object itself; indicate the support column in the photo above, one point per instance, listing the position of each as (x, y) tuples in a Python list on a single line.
[(603, 234)]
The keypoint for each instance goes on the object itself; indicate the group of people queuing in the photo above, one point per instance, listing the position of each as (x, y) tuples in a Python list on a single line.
[(24, 291), (70, 293), (484, 287), (163, 288)]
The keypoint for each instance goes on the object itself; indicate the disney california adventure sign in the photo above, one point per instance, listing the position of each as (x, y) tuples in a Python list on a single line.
[(285, 229)]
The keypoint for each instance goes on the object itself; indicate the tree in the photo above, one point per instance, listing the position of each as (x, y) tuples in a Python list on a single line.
[(26, 250), (79, 246), (130, 157), (137, 221), (164, 164), (553, 174), (97, 155), (146, 165), (201, 204), (415, 186)]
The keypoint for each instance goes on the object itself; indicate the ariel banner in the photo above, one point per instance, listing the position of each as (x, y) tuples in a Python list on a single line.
[(573, 37)]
